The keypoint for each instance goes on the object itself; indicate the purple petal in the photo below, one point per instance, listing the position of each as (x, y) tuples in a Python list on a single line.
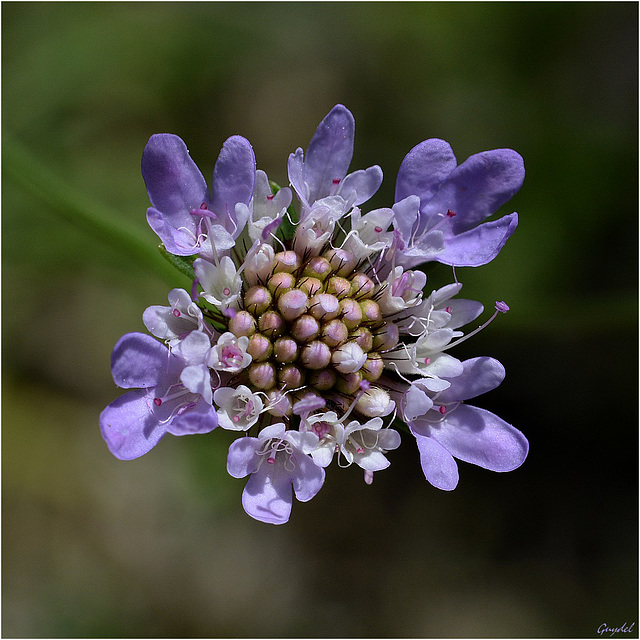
[(233, 178), (478, 188), (178, 241), (479, 376), (438, 465), (329, 153), (424, 168), (138, 361), (268, 497), (478, 436), (242, 459), (129, 427), (307, 478), (364, 182), (478, 246), (202, 418), (174, 182)]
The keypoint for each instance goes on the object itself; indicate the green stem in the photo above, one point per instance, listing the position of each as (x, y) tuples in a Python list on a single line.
[(26, 172)]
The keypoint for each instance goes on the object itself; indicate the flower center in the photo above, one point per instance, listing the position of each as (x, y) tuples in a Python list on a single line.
[(314, 326)]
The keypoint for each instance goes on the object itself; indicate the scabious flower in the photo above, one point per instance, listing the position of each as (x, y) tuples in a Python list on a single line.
[(308, 330)]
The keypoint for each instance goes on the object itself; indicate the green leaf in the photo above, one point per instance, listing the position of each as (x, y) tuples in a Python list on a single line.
[(184, 264), (106, 226)]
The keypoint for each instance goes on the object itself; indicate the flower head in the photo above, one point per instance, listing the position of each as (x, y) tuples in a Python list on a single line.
[(308, 329)]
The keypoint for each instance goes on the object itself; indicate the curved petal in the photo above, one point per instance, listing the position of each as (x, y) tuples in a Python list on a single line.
[(478, 246), (438, 465), (199, 419), (415, 403), (478, 188), (242, 459), (463, 311), (268, 497), (479, 376), (197, 378), (138, 360), (129, 427), (406, 214), (480, 437), (178, 241), (424, 168), (364, 182), (295, 167), (174, 182), (329, 153), (307, 479), (234, 176)]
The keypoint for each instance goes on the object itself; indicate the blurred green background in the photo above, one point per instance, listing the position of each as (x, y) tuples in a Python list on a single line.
[(160, 547)]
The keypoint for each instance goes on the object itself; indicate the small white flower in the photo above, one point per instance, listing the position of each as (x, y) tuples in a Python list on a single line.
[(402, 290), (365, 444), (317, 224), (229, 353), (173, 322), (239, 409), (266, 207), (369, 233), (221, 284)]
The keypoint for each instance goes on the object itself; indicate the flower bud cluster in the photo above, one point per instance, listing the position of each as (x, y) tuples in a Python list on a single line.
[(307, 327), (314, 327)]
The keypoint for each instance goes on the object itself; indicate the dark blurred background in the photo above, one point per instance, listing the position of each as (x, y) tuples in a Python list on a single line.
[(160, 546)]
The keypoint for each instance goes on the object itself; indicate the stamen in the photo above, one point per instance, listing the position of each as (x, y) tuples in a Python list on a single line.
[(501, 307)]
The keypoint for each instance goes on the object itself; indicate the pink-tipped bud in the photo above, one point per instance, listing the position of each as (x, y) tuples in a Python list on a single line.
[(305, 328), (290, 377), (362, 286), (257, 300), (350, 312), (502, 307), (285, 350), (259, 347), (363, 337), (293, 304), (279, 404), (262, 375), (375, 402), (317, 267), (324, 307), (386, 337), (271, 324), (342, 262), (242, 324), (310, 285), (323, 380), (286, 261), (339, 287), (349, 383), (315, 355), (280, 283), (334, 333), (373, 367), (259, 267), (371, 314), (348, 358)]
